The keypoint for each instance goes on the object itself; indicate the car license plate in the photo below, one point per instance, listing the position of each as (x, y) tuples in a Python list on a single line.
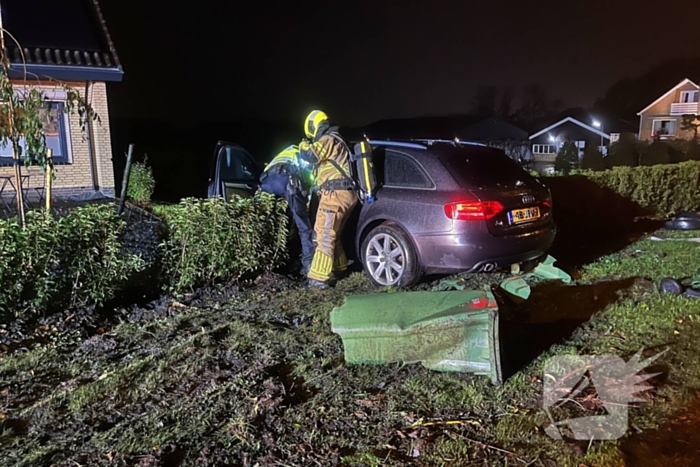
[(519, 216)]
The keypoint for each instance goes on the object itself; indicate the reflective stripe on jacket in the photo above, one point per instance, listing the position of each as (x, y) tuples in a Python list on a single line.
[(289, 156), (330, 147)]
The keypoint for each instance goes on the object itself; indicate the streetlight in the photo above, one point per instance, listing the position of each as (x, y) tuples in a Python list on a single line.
[(597, 124)]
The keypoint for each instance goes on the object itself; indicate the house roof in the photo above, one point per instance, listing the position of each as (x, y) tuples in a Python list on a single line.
[(682, 83), (584, 118), (466, 127), (493, 129), (61, 40), (574, 121), (444, 127)]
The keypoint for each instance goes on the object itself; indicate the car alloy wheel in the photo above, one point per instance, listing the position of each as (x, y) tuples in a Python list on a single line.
[(385, 259)]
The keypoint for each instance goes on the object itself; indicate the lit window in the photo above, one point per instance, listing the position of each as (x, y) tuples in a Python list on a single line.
[(543, 149), (663, 128)]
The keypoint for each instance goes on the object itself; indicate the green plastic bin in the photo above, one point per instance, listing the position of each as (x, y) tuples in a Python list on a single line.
[(445, 331)]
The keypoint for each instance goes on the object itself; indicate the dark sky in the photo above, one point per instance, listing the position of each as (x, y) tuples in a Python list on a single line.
[(367, 60)]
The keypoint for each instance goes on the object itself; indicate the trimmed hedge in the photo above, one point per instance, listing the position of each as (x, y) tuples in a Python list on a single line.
[(76, 260), (211, 240), (661, 189), (82, 259)]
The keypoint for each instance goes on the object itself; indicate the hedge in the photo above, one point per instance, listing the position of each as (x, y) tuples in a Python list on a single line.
[(73, 261), (212, 240), (662, 190), (84, 259)]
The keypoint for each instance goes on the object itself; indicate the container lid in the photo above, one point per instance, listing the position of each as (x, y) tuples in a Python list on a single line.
[(403, 311)]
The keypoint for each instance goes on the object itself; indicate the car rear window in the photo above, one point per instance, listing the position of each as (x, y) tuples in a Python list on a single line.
[(477, 167)]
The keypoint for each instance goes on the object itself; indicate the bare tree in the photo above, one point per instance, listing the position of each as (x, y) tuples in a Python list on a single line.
[(484, 102), (535, 104), (505, 106)]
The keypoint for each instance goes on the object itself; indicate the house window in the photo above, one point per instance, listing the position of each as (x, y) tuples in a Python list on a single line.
[(403, 171), (543, 149), (54, 122), (688, 97), (663, 128)]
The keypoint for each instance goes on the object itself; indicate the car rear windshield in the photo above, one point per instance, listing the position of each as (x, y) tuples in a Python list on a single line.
[(483, 167)]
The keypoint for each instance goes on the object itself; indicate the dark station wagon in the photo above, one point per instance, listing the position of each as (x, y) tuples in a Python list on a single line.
[(442, 207)]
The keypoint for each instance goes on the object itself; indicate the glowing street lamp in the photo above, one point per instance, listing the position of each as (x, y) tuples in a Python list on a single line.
[(597, 124)]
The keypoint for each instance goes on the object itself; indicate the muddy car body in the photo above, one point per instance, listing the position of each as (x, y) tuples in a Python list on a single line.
[(442, 207)]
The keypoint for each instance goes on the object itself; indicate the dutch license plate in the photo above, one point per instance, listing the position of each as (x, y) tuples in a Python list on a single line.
[(518, 216)]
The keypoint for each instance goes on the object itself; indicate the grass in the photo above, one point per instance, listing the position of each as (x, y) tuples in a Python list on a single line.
[(259, 379)]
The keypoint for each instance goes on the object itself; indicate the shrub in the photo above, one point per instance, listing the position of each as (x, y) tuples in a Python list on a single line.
[(655, 153), (662, 189), (567, 158), (624, 152), (141, 182), (212, 240), (74, 261), (592, 159)]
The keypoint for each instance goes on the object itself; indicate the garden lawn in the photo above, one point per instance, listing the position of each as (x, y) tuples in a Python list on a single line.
[(254, 376)]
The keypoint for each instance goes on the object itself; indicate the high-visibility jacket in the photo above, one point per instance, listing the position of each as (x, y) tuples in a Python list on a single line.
[(289, 156), (331, 147)]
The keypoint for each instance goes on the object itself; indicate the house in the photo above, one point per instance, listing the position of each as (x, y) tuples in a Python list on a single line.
[(490, 131), (63, 42), (580, 126), (662, 118)]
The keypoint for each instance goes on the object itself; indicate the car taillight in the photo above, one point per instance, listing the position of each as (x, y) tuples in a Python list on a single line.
[(548, 201), (473, 210)]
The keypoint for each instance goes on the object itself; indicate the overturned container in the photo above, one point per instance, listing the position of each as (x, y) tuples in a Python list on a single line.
[(445, 331)]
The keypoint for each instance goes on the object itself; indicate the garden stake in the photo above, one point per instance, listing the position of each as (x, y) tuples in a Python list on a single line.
[(49, 175), (125, 180)]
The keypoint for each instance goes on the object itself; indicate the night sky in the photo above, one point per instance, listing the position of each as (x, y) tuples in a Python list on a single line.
[(368, 60)]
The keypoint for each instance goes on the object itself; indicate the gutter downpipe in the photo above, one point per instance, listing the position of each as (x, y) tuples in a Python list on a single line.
[(91, 151)]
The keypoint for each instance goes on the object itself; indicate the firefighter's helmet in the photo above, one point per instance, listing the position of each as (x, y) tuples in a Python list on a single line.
[(313, 122)]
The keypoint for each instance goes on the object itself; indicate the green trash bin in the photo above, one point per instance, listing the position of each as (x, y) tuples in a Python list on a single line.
[(445, 331)]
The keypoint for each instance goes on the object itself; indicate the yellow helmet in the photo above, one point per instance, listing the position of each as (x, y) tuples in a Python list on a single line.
[(313, 121)]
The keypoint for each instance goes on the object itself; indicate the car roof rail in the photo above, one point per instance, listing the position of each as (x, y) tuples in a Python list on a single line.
[(450, 141), (375, 142)]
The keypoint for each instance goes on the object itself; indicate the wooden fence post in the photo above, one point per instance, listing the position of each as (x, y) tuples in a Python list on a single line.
[(49, 178), (125, 180)]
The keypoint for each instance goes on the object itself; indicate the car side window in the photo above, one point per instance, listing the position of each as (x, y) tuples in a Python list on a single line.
[(235, 165), (403, 171)]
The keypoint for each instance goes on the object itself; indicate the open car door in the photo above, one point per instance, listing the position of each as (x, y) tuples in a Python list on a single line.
[(234, 172)]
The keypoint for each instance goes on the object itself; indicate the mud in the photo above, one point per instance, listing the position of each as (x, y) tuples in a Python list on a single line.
[(674, 444)]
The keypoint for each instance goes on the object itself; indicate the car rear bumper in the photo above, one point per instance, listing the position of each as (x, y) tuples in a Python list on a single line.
[(466, 252)]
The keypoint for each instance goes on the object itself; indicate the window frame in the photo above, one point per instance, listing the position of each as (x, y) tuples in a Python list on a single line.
[(694, 94), (63, 134), (670, 135), (540, 153), (390, 152)]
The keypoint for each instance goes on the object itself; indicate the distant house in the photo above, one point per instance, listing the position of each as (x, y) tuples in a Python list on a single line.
[(580, 126), (64, 41), (662, 118), (490, 131)]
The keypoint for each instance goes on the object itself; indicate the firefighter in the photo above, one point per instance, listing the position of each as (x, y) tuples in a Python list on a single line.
[(288, 176), (337, 198)]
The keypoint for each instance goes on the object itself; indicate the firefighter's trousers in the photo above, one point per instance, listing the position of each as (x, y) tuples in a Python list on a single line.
[(278, 184), (334, 209)]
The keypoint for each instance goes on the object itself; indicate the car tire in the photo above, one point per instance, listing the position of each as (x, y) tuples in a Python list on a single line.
[(671, 286), (376, 247), (683, 224)]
